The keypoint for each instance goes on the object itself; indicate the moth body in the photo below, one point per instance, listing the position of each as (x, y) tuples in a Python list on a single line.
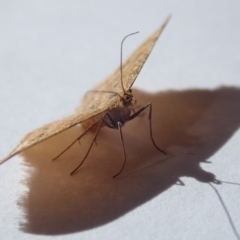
[(121, 113)]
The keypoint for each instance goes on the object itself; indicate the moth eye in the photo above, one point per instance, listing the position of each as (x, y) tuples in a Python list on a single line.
[(127, 98)]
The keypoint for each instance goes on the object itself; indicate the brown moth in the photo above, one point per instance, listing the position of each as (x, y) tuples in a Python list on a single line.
[(112, 108)]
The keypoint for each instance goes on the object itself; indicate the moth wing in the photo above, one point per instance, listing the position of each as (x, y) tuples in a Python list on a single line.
[(130, 68), (48, 131)]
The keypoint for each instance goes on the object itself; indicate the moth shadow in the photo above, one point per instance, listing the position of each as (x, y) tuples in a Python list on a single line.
[(190, 125)]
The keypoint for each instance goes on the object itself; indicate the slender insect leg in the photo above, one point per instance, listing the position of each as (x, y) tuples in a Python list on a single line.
[(150, 123), (89, 149), (119, 126), (123, 147), (77, 139)]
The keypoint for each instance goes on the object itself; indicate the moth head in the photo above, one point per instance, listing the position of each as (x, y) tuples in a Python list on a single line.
[(128, 99)]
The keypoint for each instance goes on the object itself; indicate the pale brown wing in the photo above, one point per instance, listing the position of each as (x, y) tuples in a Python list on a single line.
[(50, 130), (131, 68)]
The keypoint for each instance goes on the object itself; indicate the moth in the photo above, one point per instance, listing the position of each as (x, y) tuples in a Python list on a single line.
[(113, 106)]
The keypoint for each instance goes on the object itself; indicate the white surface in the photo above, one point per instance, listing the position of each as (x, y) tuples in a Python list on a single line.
[(54, 51)]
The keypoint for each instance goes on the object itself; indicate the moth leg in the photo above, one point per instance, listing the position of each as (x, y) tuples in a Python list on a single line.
[(89, 149), (119, 126), (150, 123), (123, 147), (77, 139)]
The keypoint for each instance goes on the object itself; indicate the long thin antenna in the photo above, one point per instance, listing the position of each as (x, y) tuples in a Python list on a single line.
[(121, 58)]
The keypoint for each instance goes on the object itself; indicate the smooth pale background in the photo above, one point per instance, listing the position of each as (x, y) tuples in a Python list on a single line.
[(52, 52)]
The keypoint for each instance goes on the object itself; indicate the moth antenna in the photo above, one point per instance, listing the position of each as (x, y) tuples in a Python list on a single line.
[(121, 58)]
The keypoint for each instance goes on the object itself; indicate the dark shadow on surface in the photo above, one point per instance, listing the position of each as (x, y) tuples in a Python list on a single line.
[(190, 125)]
